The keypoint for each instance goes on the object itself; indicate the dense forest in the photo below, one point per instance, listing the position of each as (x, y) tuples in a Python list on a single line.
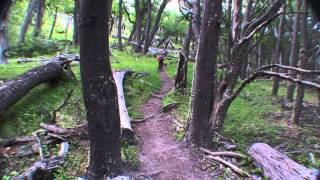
[(159, 89)]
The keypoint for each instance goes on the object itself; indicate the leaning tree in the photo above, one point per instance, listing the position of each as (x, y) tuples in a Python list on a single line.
[(99, 89)]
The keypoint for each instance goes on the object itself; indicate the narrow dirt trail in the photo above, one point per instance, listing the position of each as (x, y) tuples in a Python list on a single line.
[(161, 156)]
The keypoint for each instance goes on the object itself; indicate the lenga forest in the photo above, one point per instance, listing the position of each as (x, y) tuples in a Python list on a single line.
[(160, 89)]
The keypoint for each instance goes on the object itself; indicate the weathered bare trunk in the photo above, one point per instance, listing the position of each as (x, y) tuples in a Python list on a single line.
[(13, 90), (99, 89), (39, 9), (277, 52), (278, 166), (120, 25), (27, 20), (126, 129), (4, 11), (54, 22), (180, 83), (298, 105), (204, 76), (76, 22), (294, 51)]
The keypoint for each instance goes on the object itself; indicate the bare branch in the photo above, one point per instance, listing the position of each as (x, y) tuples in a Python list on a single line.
[(261, 72)]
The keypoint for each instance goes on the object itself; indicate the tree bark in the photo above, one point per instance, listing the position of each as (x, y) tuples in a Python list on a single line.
[(138, 21), (13, 90), (294, 51), (298, 105), (53, 23), (99, 89), (204, 76), (27, 20), (278, 166), (277, 51), (39, 9), (4, 11), (76, 22), (120, 25), (196, 18)]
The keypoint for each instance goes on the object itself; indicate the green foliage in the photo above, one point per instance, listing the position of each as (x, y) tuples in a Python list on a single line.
[(173, 25)]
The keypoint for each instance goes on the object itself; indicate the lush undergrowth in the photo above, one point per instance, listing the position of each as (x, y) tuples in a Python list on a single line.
[(37, 106), (248, 119)]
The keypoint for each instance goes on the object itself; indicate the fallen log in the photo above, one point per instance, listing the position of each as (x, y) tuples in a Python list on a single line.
[(13, 90), (126, 129), (276, 165)]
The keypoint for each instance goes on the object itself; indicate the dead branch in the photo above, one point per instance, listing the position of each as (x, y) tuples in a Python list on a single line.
[(64, 103), (226, 163), (223, 153)]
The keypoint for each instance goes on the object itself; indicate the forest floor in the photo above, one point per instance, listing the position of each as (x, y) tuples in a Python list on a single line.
[(161, 155)]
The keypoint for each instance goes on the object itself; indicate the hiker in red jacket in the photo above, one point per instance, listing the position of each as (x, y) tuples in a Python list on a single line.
[(160, 59)]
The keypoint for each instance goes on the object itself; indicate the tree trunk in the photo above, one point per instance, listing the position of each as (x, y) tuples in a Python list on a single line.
[(138, 21), (99, 89), (39, 9), (294, 51), (13, 90), (27, 20), (147, 27), (196, 18), (187, 40), (277, 52), (180, 83), (76, 22), (54, 22), (278, 166), (298, 105), (4, 11), (244, 68), (150, 36), (120, 26), (204, 76)]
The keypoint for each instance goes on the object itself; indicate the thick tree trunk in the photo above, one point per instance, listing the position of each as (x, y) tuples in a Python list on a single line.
[(39, 9), (27, 20), (4, 11), (13, 90), (138, 21), (294, 51), (204, 76), (180, 83), (147, 27), (76, 22), (277, 51), (54, 22), (99, 89), (120, 25), (298, 105), (155, 27), (278, 166)]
